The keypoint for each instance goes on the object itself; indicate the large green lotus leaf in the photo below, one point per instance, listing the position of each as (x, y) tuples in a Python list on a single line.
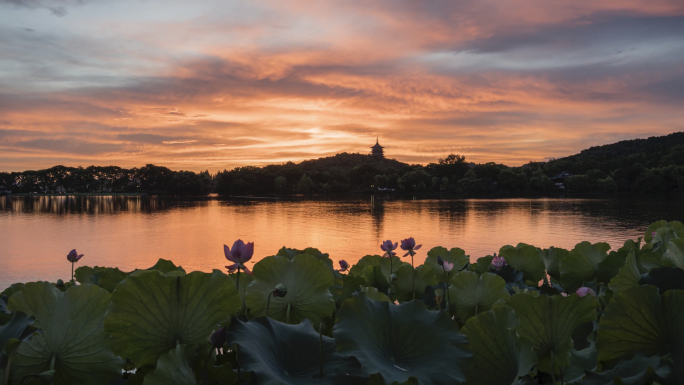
[(471, 294), (5, 315), (151, 313), (403, 286), (665, 278), (652, 260), (376, 379), (636, 371), (549, 321), (402, 341), (525, 258), (456, 256), (663, 226), (374, 294), (628, 275), (610, 266), (374, 277), (173, 368), (218, 369), (307, 280), (372, 260), (675, 252), (83, 274), (581, 361), (499, 355), (167, 267), (483, 265), (350, 285), (582, 264), (636, 319), (17, 328), (108, 278), (551, 258), (71, 324), (279, 353)]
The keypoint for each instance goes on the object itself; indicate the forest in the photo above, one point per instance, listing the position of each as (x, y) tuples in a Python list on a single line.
[(653, 165)]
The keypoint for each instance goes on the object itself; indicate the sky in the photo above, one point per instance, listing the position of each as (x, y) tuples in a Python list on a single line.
[(212, 85)]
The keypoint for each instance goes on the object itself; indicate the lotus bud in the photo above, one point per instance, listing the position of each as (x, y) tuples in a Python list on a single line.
[(440, 261), (73, 256), (393, 277), (218, 338), (59, 283), (390, 292), (439, 296), (653, 234), (583, 291), (280, 291), (343, 266)]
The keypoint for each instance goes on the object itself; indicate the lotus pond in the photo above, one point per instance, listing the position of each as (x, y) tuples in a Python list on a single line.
[(590, 315)]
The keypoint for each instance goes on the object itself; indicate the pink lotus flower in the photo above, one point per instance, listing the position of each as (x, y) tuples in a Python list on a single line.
[(653, 234), (388, 248), (239, 253), (409, 245), (343, 265), (73, 256), (583, 291), (498, 262), (448, 266)]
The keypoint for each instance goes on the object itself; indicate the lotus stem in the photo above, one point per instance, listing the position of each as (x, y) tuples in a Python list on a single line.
[(413, 277), (553, 370), (268, 303), (72, 272), (320, 346)]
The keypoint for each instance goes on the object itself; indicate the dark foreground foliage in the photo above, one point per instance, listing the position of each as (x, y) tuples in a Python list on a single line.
[(590, 315)]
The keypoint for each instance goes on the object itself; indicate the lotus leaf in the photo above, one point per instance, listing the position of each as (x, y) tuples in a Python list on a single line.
[(167, 267), (72, 335), (403, 286), (456, 256), (675, 252), (279, 353), (525, 258), (651, 260), (5, 315), (173, 368), (663, 226), (350, 285), (483, 265), (372, 260), (582, 264), (17, 328), (374, 294), (636, 371), (665, 278), (402, 341), (307, 280), (83, 274), (628, 275), (581, 361), (245, 280), (108, 278), (470, 294), (499, 355), (429, 298), (150, 313), (637, 319), (549, 321), (374, 277), (509, 274), (551, 258)]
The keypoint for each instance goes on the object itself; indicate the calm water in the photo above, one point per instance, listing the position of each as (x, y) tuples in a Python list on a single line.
[(36, 233)]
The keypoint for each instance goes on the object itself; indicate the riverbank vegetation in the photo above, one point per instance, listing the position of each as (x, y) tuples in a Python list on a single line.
[(590, 315), (653, 165)]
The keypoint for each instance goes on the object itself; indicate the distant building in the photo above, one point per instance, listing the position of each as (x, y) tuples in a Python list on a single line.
[(560, 178), (377, 150)]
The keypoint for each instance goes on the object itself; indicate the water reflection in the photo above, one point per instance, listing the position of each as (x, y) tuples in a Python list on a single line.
[(133, 232)]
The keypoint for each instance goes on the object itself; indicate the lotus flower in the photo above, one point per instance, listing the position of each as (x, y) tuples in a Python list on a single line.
[(343, 266), (73, 256), (653, 234), (583, 291), (409, 245), (218, 338), (448, 266), (388, 248), (440, 261), (239, 253), (498, 262)]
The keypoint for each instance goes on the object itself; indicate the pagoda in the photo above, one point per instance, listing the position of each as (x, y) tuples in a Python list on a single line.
[(377, 150)]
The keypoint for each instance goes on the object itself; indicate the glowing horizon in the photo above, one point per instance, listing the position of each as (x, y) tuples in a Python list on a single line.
[(223, 84)]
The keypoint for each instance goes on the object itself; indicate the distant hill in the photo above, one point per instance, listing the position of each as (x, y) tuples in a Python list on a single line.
[(640, 165)]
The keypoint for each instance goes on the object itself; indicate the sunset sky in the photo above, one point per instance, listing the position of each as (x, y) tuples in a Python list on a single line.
[(198, 85)]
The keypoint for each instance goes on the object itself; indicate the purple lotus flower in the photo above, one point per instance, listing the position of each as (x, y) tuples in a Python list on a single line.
[(218, 338), (409, 245), (343, 266), (448, 266), (73, 256), (388, 248), (583, 291), (498, 262), (239, 253), (653, 234), (440, 261)]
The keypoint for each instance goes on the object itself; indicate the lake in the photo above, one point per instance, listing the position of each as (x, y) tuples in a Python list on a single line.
[(36, 233)]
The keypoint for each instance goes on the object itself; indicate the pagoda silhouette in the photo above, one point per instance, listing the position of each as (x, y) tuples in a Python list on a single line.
[(377, 150)]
